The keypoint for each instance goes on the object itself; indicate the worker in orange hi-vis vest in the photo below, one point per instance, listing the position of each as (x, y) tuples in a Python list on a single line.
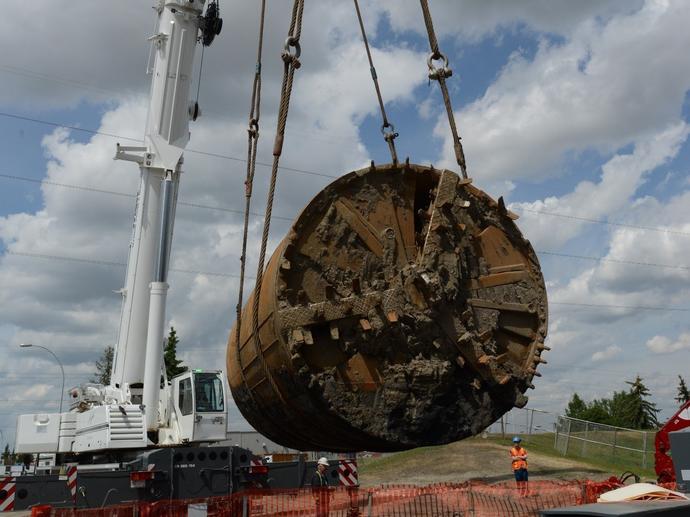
[(518, 458)]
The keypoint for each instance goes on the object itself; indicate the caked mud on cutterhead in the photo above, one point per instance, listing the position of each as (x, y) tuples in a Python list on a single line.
[(404, 308)]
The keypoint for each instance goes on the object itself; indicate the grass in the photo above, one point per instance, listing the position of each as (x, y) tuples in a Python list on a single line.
[(426, 459), (596, 455), (373, 465)]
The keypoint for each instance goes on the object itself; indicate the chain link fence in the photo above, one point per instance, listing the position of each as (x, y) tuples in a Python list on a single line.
[(577, 438), (580, 438), (524, 422)]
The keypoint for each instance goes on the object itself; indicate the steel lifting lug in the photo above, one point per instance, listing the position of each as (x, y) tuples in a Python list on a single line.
[(288, 56), (253, 128), (437, 73)]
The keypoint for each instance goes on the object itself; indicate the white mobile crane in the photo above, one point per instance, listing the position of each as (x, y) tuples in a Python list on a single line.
[(141, 408)]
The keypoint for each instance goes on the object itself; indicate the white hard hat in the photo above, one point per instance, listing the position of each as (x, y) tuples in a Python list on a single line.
[(323, 461)]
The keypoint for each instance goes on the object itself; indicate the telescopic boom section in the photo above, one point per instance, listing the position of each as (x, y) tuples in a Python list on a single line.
[(139, 351)]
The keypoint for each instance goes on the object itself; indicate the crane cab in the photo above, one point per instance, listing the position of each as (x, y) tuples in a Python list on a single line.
[(199, 406)]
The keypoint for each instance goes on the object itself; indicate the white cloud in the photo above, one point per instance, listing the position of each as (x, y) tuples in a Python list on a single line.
[(39, 390), (605, 86), (621, 177), (664, 345), (606, 354), (658, 275)]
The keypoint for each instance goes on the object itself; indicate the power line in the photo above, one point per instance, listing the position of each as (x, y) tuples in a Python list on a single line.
[(601, 221), (22, 375), (634, 307), (65, 185), (130, 196), (138, 140), (113, 264), (254, 214), (330, 176), (66, 259), (615, 261), (117, 94), (68, 82), (27, 400), (231, 210), (230, 275), (68, 373)]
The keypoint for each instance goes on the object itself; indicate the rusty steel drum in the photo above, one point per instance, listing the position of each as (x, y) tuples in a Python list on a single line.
[(404, 308)]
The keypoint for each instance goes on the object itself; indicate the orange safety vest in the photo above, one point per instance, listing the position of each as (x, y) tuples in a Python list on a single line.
[(518, 463)]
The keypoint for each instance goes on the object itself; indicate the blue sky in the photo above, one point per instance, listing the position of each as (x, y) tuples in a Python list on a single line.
[(576, 112)]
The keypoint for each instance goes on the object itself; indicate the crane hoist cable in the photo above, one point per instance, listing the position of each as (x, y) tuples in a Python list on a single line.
[(440, 74), (387, 129), (252, 145), (290, 56)]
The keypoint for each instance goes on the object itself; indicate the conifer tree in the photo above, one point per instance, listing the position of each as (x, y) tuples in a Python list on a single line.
[(683, 392), (104, 366), (577, 408), (172, 363), (641, 413)]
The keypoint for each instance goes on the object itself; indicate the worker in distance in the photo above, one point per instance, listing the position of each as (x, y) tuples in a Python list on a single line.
[(518, 459), (320, 487)]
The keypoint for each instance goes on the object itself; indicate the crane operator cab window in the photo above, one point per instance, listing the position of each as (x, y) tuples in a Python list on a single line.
[(208, 392), (185, 397)]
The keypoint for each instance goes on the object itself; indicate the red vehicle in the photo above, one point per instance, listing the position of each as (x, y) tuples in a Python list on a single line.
[(663, 464)]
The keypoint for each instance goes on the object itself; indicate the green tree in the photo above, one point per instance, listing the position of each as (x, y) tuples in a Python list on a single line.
[(172, 363), (599, 410), (25, 459), (619, 407), (577, 408), (683, 392), (626, 408), (641, 412), (104, 366)]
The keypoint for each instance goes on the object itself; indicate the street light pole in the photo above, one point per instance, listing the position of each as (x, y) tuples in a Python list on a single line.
[(62, 391)]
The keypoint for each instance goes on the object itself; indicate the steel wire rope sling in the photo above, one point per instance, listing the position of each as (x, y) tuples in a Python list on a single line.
[(290, 64), (387, 129), (252, 145), (440, 75)]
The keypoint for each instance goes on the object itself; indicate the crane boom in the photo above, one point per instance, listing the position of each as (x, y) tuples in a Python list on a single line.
[(136, 410), (140, 336)]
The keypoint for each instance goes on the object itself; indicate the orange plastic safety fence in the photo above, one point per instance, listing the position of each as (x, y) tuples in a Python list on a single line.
[(449, 499)]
